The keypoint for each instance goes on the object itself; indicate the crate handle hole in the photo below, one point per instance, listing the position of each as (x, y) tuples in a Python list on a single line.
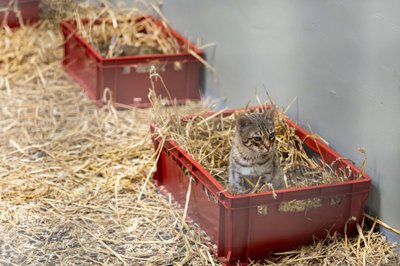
[(262, 210), (300, 205), (336, 200), (125, 70), (145, 68), (178, 66)]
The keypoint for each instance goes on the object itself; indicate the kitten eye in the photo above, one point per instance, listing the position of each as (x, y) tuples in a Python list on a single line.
[(257, 138), (271, 135)]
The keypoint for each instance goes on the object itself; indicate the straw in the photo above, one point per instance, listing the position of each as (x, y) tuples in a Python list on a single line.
[(116, 33), (70, 174)]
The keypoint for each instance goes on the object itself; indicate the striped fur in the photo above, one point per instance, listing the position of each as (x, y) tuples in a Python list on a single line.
[(253, 154)]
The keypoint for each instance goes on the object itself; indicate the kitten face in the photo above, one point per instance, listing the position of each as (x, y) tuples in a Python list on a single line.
[(257, 131)]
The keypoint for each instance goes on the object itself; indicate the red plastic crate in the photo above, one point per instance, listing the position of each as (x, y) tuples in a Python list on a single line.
[(251, 226), (127, 77), (29, 12)]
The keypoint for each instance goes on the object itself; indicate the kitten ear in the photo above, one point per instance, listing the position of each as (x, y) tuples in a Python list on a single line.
[(269, 114), (242, 122)]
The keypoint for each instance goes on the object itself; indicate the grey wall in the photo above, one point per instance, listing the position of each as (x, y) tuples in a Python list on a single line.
[(340, 58)]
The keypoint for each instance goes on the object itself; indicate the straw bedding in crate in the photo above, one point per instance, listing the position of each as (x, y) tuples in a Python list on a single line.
[(208, 139)]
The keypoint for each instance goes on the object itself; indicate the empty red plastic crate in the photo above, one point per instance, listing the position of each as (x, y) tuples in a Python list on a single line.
[(128, 77), (29, 11), (252, 226)]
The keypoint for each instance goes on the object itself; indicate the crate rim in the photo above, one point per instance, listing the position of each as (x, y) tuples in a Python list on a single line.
[(282, 194)]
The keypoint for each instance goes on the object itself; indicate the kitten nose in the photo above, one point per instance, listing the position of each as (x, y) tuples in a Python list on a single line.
[(266, 145)]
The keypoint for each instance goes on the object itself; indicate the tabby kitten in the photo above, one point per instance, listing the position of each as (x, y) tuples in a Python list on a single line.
[(253, 156)]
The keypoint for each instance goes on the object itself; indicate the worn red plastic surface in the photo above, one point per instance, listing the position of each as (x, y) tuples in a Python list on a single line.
[(128, 77), (234, 224), (29, 12)]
